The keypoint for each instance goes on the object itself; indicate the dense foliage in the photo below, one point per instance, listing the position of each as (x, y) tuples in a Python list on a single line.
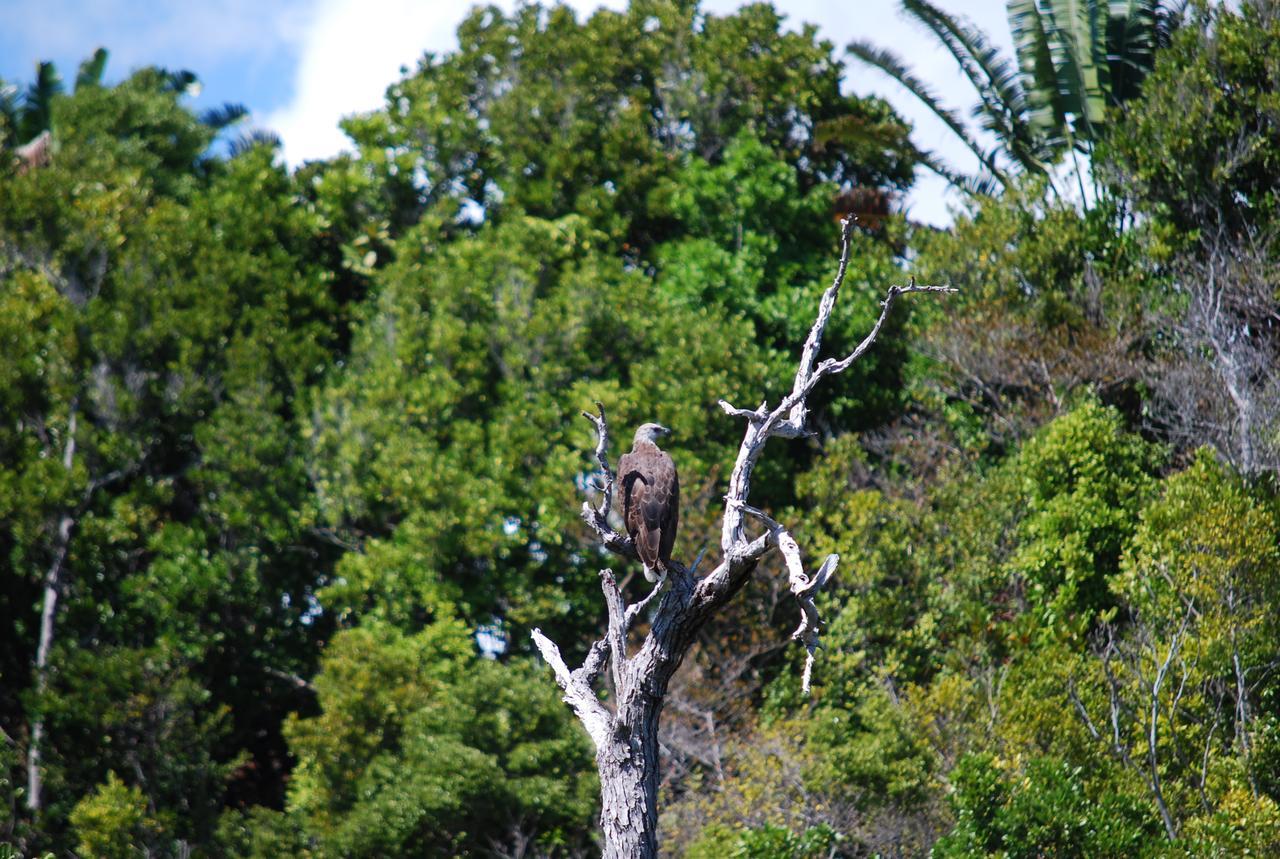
[(290, 461)]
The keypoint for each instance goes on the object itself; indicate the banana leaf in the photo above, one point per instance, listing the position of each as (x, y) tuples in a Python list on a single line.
[(1131, 46), (1039, 81), (1077, 46)]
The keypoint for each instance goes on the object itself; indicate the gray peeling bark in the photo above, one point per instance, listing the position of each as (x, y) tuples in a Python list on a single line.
[(626, 735)]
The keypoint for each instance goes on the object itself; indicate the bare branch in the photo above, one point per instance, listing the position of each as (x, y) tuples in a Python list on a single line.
[(814, 341), (802, 587), (602, 456), (594, 663), (697, 562), (578, 693), (761, 426), (551, 654), (831, 367), (634, 611), (756, 415), (617, 630), (810, 626), (1083, 713), (769, 522), (598, 517), (292, 679)]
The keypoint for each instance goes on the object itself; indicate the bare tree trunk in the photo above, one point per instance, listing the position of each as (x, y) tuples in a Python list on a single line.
[(48, 614), (628, 770), (1243, 710), (1148, 701), (1153, 743), (1223, 386), (626, 737)]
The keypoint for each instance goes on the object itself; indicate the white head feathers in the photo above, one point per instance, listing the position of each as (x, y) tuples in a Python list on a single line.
[(650, 433)]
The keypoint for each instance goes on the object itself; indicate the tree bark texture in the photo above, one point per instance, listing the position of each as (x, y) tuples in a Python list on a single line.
[(628, 769)]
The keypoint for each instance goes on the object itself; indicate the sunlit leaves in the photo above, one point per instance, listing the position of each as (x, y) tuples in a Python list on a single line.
[(421, 744)]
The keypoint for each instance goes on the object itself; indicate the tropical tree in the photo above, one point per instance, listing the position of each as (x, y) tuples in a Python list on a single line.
[(1076, 62), (27, 118), (157, 334)]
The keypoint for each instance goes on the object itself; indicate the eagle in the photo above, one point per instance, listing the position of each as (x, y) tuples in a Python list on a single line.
[(650, 499)]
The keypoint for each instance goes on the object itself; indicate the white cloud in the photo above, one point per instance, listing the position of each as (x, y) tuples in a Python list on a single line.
[(351, 50)]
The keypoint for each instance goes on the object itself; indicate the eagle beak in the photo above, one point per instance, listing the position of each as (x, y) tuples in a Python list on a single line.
[(664, 430)]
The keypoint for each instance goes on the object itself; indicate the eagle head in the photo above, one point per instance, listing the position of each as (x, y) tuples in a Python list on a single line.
[(651, 433)]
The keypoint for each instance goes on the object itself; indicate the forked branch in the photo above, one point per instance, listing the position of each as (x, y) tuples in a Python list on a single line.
[(695, 601), (626, 736)]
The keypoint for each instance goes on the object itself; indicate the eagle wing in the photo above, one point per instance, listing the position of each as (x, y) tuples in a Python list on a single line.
[(670, 510)]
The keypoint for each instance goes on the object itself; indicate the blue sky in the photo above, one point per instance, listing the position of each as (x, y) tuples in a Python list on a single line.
[(300, 65), (242, 51)]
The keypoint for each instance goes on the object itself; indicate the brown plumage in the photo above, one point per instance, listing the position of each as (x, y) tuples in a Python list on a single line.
[(650, 498)]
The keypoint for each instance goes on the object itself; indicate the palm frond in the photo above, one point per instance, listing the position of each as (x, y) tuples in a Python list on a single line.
[(179, 82), (250, 140), (1077, 45), (224, 115), (90, 73), (8, 114), (1169, 19), (982, 185), (855, 130), (1031, 44), (1131, 48), (990, 72), (9, 101), (894, 67), (37, 107), (1003, 106)]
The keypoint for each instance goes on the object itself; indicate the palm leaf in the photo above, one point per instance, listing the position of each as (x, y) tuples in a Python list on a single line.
[(220, 117), (1003, 108), (982, 185), (9, 116), (251, 140), (8, 110), (1077, 45), (1169, 18), (90, 73), (991, 74), (895, 68), (1031, 44), (852, 130), (1136, 29), (37, 107), (1131, 44), (180, 81)]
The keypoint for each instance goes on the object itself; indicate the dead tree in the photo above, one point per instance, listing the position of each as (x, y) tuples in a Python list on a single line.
[(1222, 384), (626, 736)]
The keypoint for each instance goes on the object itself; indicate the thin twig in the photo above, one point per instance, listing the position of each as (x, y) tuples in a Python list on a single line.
[(635, 610)]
